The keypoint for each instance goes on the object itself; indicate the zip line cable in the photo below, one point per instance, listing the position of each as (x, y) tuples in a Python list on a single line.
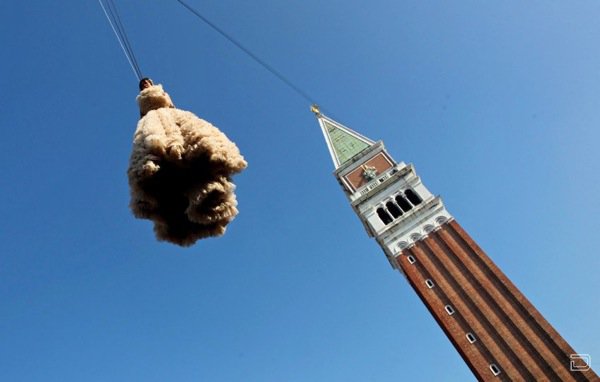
[(253, 56), (112, 15), (124, 35), (117, 26)]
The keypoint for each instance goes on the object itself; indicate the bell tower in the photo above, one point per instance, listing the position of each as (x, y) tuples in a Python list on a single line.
[(496, 330)]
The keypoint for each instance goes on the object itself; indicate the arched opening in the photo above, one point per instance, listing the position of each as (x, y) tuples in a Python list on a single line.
[(413, 197), (384, 216), (394, 210), (403, 203), (471, 337), (495, 370)]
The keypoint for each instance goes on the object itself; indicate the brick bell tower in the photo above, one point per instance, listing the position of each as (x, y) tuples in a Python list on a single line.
[(496, 330)]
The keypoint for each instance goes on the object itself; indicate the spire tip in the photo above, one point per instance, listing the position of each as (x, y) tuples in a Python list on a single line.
[(315, 109)]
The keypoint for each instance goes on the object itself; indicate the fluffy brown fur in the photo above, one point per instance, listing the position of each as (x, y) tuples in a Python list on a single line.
[(152, 98), (180, 172)]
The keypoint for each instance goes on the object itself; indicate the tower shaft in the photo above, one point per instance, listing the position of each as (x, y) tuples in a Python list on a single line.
[(493, 326)]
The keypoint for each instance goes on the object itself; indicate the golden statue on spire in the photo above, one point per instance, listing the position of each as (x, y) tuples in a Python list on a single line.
[(315, 109)]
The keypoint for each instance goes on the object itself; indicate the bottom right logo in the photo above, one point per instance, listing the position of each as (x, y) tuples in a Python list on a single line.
[(580, 362)]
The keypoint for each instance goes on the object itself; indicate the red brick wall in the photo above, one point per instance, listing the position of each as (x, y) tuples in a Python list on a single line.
[(509, 331)]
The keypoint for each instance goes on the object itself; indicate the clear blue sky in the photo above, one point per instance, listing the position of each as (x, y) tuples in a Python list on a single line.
[(496, 104)]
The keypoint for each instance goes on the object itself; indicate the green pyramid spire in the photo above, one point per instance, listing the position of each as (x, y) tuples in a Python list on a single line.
[(343, 142)]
